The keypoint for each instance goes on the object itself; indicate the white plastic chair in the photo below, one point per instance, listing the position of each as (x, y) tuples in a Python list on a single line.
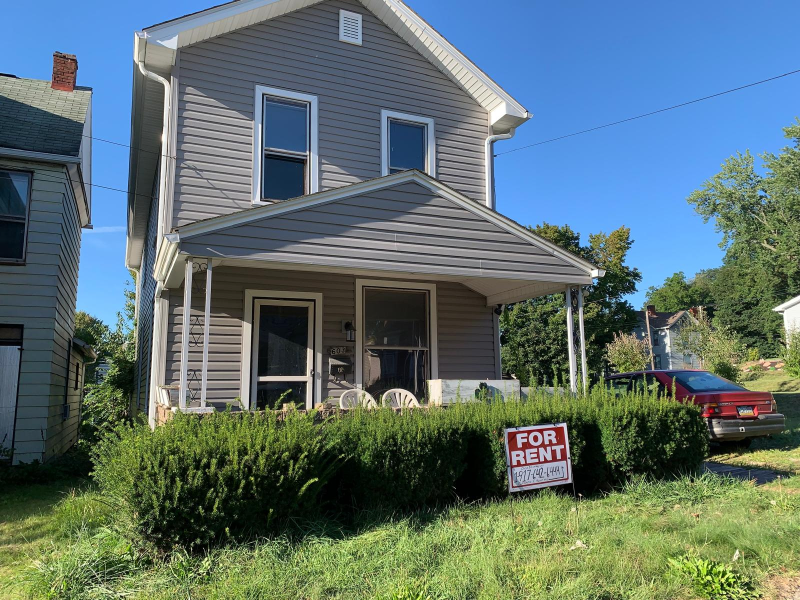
[(398, 398), (354, 397)]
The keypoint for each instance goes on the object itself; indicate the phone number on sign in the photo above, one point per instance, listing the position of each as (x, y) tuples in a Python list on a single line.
[(534, 474)]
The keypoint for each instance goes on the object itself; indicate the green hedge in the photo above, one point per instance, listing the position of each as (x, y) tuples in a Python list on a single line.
[(195, 481), (199, 480)]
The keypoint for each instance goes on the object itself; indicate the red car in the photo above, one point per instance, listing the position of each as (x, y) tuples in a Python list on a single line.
[(733, 414)]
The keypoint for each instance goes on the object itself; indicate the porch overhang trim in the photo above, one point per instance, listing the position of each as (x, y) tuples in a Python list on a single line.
[(166, 258)]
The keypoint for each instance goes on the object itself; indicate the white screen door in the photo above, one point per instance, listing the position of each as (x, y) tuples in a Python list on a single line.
[(9, 378), (283, 354)]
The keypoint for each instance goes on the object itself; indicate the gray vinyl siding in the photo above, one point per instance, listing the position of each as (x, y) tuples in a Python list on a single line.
[(301, 52), (147, 294), (41, 295), (406, 228), (465, 326)]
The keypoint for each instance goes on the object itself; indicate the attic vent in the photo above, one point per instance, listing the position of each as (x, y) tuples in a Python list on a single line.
[(350, 27)]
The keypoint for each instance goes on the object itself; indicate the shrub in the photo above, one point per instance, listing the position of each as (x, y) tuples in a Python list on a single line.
[(628, 353), (397, 460), (792, 356), (195, 481)]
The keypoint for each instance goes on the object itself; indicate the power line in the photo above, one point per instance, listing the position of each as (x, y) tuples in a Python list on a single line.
[(649, 114)]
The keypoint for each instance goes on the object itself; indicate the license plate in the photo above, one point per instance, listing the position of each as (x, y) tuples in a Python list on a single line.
[(745, 411)]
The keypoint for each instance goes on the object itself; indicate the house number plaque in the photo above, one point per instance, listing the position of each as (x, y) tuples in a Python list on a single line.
[(339, 350)]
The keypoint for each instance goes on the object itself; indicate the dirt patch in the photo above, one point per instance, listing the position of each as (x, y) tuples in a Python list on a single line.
[(781, 587)]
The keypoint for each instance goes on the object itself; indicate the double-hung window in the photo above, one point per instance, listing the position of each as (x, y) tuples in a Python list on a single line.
[(407, 142), (15, 187), (285, 157)]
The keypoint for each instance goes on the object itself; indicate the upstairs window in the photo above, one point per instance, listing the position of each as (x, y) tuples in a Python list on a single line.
[(286, 158), (407, 142), (15, 187)]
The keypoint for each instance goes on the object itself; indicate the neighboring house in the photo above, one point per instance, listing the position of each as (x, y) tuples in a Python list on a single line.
[(664, 330), (323, 215), (791, 315), (45, 201)]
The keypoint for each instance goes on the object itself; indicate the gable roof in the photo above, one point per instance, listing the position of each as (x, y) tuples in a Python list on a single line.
[(662, 320), (164, 39), (36, 118)]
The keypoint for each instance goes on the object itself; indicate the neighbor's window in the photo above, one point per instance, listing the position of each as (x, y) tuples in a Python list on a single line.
[(396, 349), (14, 198), (286, 161), (407, 143)]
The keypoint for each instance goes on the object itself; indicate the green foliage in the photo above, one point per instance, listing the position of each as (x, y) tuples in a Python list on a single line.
[(676, 293), (108, 403), (627, 353), (200, 480), (534, 332), (759, 218), (713, 580), (792, 355), (195, 481), (717, 347)]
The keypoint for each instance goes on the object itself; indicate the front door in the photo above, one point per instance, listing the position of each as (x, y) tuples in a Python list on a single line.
[(283, 354)]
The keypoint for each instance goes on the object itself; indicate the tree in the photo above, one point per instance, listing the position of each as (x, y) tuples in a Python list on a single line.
[(678, 293), (108, 402), (534, 332), (627, 353), (718, 348), (759, 218)]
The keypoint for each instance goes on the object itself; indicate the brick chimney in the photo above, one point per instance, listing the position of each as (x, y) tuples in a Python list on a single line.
[(65, 71), (651, 311)]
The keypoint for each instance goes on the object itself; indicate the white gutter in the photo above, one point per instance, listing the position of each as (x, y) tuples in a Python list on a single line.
[(162, 175), (489, 159)]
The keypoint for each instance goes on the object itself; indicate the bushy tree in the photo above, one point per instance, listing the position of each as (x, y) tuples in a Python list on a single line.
[(108, 402), (679, 293), (534, 332), (718, 348), (627, 353), (759, 218)]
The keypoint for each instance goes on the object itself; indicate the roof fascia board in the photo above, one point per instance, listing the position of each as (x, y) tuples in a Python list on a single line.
[(787, 305), (61, 159), (511, 107), (357, 189)]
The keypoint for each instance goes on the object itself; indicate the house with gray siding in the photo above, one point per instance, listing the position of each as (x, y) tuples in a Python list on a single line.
[(662, 331), (311, 208), (45, 202)]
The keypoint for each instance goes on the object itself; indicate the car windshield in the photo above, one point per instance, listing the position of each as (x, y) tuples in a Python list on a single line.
[(702, 381)]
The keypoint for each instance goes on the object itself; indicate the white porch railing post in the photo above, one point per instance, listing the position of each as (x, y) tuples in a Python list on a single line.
[(185, 333), (573, 367), (206, 329), (584, 365)]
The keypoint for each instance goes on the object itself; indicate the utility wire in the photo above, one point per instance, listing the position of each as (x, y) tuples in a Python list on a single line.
[(649, 114)]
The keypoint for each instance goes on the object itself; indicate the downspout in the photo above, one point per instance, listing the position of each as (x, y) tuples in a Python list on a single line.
[(489, 159), (162, 175)]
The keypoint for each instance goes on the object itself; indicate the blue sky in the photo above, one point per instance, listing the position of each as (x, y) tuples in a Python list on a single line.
[(574, 65)]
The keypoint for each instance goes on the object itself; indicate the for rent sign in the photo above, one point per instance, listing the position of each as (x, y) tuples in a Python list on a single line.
[(537, 456)]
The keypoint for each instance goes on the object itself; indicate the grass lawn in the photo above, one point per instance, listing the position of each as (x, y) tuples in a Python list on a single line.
[(26, 528), (542, 546), (780, 452)]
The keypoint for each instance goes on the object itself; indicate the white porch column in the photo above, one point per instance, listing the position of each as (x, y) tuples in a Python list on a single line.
[(573, 367), (185, 333), (584, 366), (206, 328)]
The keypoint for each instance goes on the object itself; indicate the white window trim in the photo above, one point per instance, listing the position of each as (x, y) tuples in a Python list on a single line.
[(247, 339), (258, 125), (431, 146), (433, 329)]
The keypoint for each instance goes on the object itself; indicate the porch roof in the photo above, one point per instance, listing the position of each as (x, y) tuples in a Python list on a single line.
[(406, 224)]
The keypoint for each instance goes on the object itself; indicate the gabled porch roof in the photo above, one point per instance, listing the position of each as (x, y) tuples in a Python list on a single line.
[(402, 224)]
